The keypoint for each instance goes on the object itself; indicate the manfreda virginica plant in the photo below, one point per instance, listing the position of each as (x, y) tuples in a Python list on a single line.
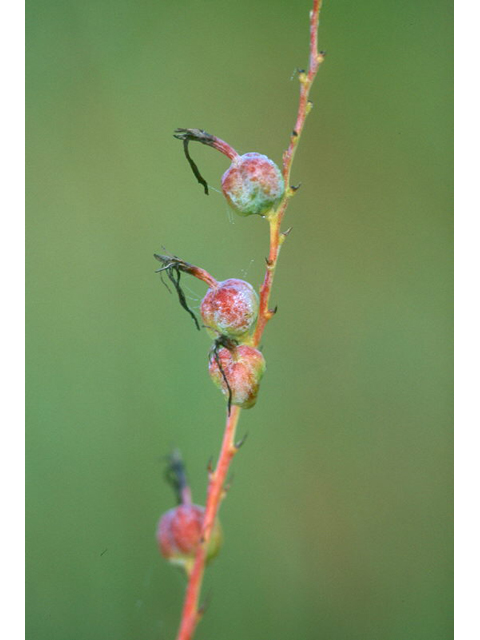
[(235, 317)]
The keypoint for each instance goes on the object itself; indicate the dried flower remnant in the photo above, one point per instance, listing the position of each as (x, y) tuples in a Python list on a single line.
[(173, 267)]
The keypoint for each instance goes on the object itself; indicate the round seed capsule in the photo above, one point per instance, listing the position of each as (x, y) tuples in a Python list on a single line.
[(237, 372), (179, 531), (230, 309), (253, 184)]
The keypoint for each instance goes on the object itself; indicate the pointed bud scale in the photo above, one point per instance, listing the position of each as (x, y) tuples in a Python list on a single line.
[(253, 184), (243, 368), (178, 535), (230, 309)]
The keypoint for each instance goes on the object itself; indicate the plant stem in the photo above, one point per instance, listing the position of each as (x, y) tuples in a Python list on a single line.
[(191, 613), (264, 313), (306, 81), (275, 218)]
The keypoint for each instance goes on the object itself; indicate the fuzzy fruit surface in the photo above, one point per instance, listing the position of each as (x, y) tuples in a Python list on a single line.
[(243, 368), (230, 309), (179, 531), (253, 184)]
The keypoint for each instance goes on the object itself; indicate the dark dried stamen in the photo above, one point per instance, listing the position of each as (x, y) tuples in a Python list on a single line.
[(229, 344), (196, 135), (173, 267), (194, 168), (176, 476), (163, 281), (174, 276), (224, 376)]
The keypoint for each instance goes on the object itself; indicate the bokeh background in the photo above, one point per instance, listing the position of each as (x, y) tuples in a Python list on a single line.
[(338, 523)]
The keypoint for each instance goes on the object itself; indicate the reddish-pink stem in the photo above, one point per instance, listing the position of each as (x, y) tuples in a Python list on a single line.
[(276, 237), (203, 275), (172, 262), (186, 496), (199, 135), (224, 147), (191, 613), (306, 80)]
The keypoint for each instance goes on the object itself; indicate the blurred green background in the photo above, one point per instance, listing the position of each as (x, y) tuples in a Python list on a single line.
[(338, 523)]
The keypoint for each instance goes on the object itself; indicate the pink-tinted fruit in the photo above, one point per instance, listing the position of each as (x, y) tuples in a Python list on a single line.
[(230, 309), (253, 184), (243, 368), (179, 531)]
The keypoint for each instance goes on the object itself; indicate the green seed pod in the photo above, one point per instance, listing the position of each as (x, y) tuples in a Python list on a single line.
[(253, 184)]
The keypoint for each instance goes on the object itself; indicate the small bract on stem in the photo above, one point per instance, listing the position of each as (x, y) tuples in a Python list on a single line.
[(231, 310)]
